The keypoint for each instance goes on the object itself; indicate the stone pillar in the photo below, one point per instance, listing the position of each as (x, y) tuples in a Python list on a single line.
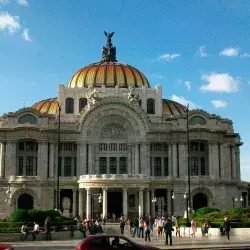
[(10, 159), (152, 203), (81, 158), (2, 159), (147, 203), (62, 166), (80, 208), (137, 159), (52, 160), (221, 160), (125, 203), (105, 203), (129, 159), (88, 205), (90, 159), (210, 159), (170, 166), (42, 160), (74, 203), (145, 159), (174, 154), (233, 163), (140, 202)]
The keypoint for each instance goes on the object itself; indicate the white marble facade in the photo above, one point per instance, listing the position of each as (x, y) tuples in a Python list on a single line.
[(122, 148)]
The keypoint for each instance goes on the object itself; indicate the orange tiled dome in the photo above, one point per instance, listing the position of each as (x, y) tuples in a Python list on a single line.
[(172, 108), (48, 106), (108, 74)]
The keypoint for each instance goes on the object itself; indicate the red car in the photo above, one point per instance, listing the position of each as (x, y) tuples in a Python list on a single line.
[(6, 247), (109, 241)]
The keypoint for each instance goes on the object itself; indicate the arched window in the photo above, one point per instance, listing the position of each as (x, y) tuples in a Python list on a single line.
[(69, 107), (151, 106), (27, 119), (82, 103), (197, 120)]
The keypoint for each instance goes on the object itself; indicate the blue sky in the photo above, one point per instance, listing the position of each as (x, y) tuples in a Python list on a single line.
[(198, 50)]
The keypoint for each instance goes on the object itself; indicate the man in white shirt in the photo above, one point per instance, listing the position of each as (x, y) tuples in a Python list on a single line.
[(35, 230)]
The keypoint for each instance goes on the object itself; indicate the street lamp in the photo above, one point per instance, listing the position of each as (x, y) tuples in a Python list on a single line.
[(92, 197), (188, 165), (187, 207), (172, 201), (241, 200), (58, 159)]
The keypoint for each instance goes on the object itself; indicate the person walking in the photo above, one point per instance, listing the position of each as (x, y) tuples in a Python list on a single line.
[(168, 228), (147, 230), (136, 226), (35, 230), (178, 227), (122, 225), (47, 227), (141, 228), (151, 224), (226, 227), (193, 227)]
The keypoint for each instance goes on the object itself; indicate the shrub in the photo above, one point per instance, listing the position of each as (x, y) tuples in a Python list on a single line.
[(19, 215), (236, 211), (206, 210)]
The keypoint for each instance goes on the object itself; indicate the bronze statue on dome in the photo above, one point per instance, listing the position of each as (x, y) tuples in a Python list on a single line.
[(109, 51)]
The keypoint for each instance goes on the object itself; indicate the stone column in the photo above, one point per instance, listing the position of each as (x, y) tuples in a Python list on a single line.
[(233, 163), (80, 208), (210, 159), (125, 203), (81, 158), (144, 159), (170, 166), (52, 160), (62, 166), (174, 154), (42, 160), (152, 203), (129, 159), (90, 159), (74, 202), (147, 203), (221, 160), (140, 202), (137, 158), (88, 205), (105, 203), (2, 159), (10, 159)]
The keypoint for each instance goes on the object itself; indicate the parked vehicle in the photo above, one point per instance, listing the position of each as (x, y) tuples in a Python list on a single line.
[(4, 246)]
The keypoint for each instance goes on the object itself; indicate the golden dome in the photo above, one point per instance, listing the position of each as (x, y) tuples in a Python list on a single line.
[(172, 108), (108, 74), (48, 106)]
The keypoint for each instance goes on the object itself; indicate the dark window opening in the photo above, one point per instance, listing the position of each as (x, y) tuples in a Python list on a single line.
[(150, 106), (69, 106)]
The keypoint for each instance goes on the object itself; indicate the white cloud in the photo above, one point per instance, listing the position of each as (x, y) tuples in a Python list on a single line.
[(9, 23), (23, 2), (26, 36), (230, 52), (167, 57), (245, 55), (188, 85), (219, 103), (220, 83), (158, 76), (182, 100), (4, 2), (202, 51)]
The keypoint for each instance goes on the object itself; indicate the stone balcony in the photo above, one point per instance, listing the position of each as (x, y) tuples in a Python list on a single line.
[(134, 177)]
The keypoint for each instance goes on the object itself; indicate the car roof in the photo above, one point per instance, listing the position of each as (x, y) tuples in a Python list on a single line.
[(105, 235)]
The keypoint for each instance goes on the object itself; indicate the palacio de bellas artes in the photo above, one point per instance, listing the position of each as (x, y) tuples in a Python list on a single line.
[(111, 144)]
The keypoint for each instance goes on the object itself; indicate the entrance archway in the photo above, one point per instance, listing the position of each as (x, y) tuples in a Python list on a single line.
[(25, 201), (199, 201)]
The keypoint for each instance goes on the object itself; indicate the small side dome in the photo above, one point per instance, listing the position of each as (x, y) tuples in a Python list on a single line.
[(172, 108), (48, 106)]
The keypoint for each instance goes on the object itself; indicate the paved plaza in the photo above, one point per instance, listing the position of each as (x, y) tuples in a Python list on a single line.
[(208, 242)]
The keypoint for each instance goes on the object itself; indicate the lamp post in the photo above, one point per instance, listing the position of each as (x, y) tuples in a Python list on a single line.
[(241, 201), (92, 197), (188, 165), (58, 159), (172, 203), (187, 208)]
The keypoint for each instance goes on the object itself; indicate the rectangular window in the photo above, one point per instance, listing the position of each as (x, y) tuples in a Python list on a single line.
[(112, 166), (194, 146), (20, 166), (202, 147), (122, 147), (123, 165), (203, 166), (60, 166), (157, 166), (29, 166), (30, 146), (103, 165), (165, 147), (67, 166), (103, 147), (166, 170), (21, 145), (112, 147), (75, 166), (194, 166)]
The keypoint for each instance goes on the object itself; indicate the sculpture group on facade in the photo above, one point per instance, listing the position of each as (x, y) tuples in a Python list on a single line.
[(133, 97), (109, 51), (92, 97)]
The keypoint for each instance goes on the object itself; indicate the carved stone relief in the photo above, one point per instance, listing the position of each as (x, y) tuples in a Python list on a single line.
[(113, 131)]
